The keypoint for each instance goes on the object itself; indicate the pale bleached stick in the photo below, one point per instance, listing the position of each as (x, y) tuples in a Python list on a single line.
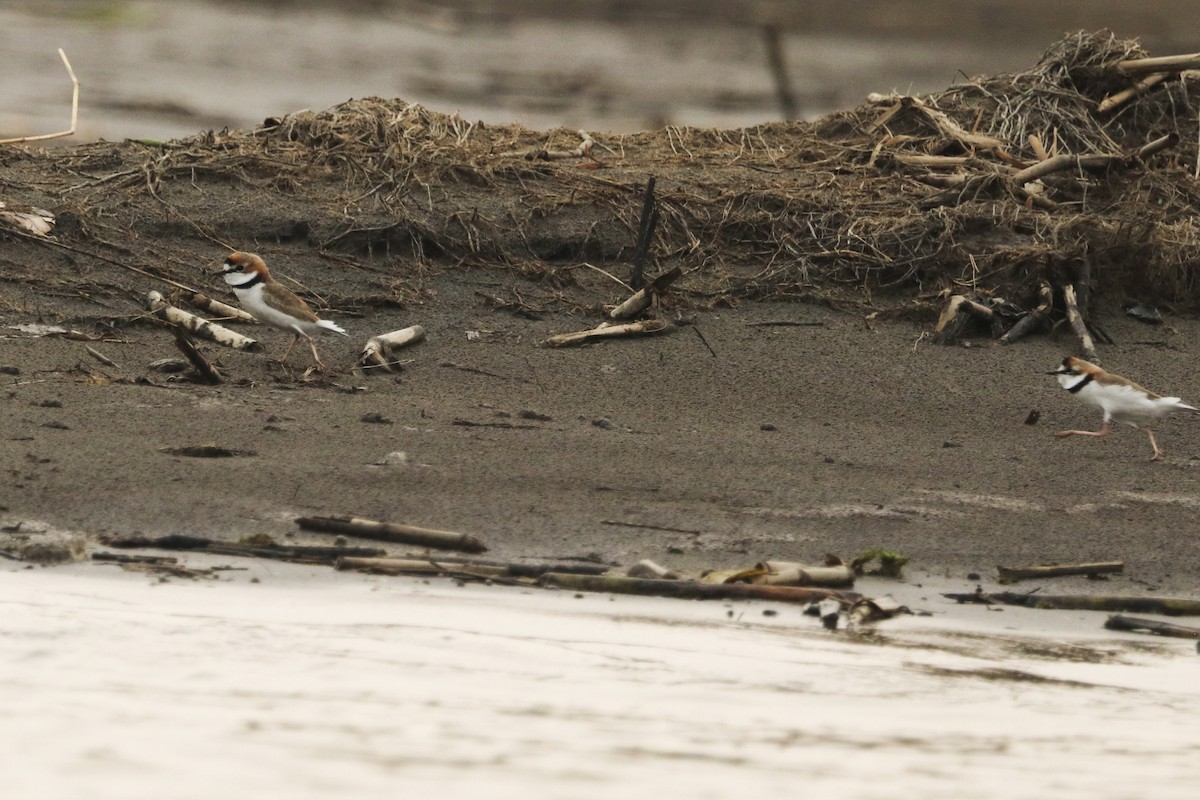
[(74, 111), (206, 303), (378, 349), (198, 325), (1077, 323), (1125, 95), (605, 331), (1141, 66), (394, 532), (103, 359), (642, 298)]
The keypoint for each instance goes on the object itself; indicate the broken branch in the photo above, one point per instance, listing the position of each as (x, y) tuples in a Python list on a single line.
[(205, 368), (393, 532), (646, 225), (1012, 574), (1034, 318), (377, 353), (606, 331), (1141, 66), (1078, 325), (206, 303), (198, 325), (640, 300), (1167, 606), (298, 553), (1119, 622), (1125, 95), (695, 590)]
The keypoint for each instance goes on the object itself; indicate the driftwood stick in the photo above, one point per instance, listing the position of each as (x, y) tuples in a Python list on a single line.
[(302, 554), (1034, 318), (929, 161), (416, 566), (954, 317), (640, 300), (1161, 143), (124, 558), (606, 331), (515, 569), (203, 366), (198, 325), (1142, 66), (695, 590), (1167, 606), (1119, 622), (1063, 161), (224, 310), (1118, 99), (1077, 324), (1100, 161), (954, 180), (646, 225), (836, 577), (394, 532), (959, 303), (377, 352), (952, 128), (1012, 574), (103, 359)]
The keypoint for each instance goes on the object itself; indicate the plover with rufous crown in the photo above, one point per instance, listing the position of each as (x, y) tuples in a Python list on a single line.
[(272, 303), (1120, 399)]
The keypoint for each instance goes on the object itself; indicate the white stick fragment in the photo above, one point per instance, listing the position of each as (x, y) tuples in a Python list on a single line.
[(224, 310), (377, 353), (802, 575), (607, 331), (642, 298), (198, 325), (103, 359), (74, 110)]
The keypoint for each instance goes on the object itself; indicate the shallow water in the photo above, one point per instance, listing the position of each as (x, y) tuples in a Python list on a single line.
[(150, 68), (310, 683)]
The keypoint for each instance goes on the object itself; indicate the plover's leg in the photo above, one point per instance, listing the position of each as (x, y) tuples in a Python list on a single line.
[(316, 358), (1104, 429), (292, 346), (1157, 453)]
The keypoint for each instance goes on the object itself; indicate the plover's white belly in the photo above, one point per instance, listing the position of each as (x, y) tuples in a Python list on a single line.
[(252, 300), (1125, 404)]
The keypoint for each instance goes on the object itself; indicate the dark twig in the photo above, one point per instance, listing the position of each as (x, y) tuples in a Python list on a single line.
[(646, 226)]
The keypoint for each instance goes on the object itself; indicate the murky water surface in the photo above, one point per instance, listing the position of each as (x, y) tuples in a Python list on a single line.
[(310, 683)]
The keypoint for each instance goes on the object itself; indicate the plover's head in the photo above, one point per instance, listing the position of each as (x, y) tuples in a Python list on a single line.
[(244, 262), (1074, 366), (244, 269)]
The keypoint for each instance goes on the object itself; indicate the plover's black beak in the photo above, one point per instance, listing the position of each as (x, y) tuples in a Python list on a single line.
[(1060, 371)]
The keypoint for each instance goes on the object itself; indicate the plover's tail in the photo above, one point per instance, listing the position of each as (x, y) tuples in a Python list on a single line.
[(329, 326), (1176, 403)]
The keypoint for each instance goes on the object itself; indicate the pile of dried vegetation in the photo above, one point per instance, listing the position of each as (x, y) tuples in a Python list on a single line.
[(1076, 174)]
